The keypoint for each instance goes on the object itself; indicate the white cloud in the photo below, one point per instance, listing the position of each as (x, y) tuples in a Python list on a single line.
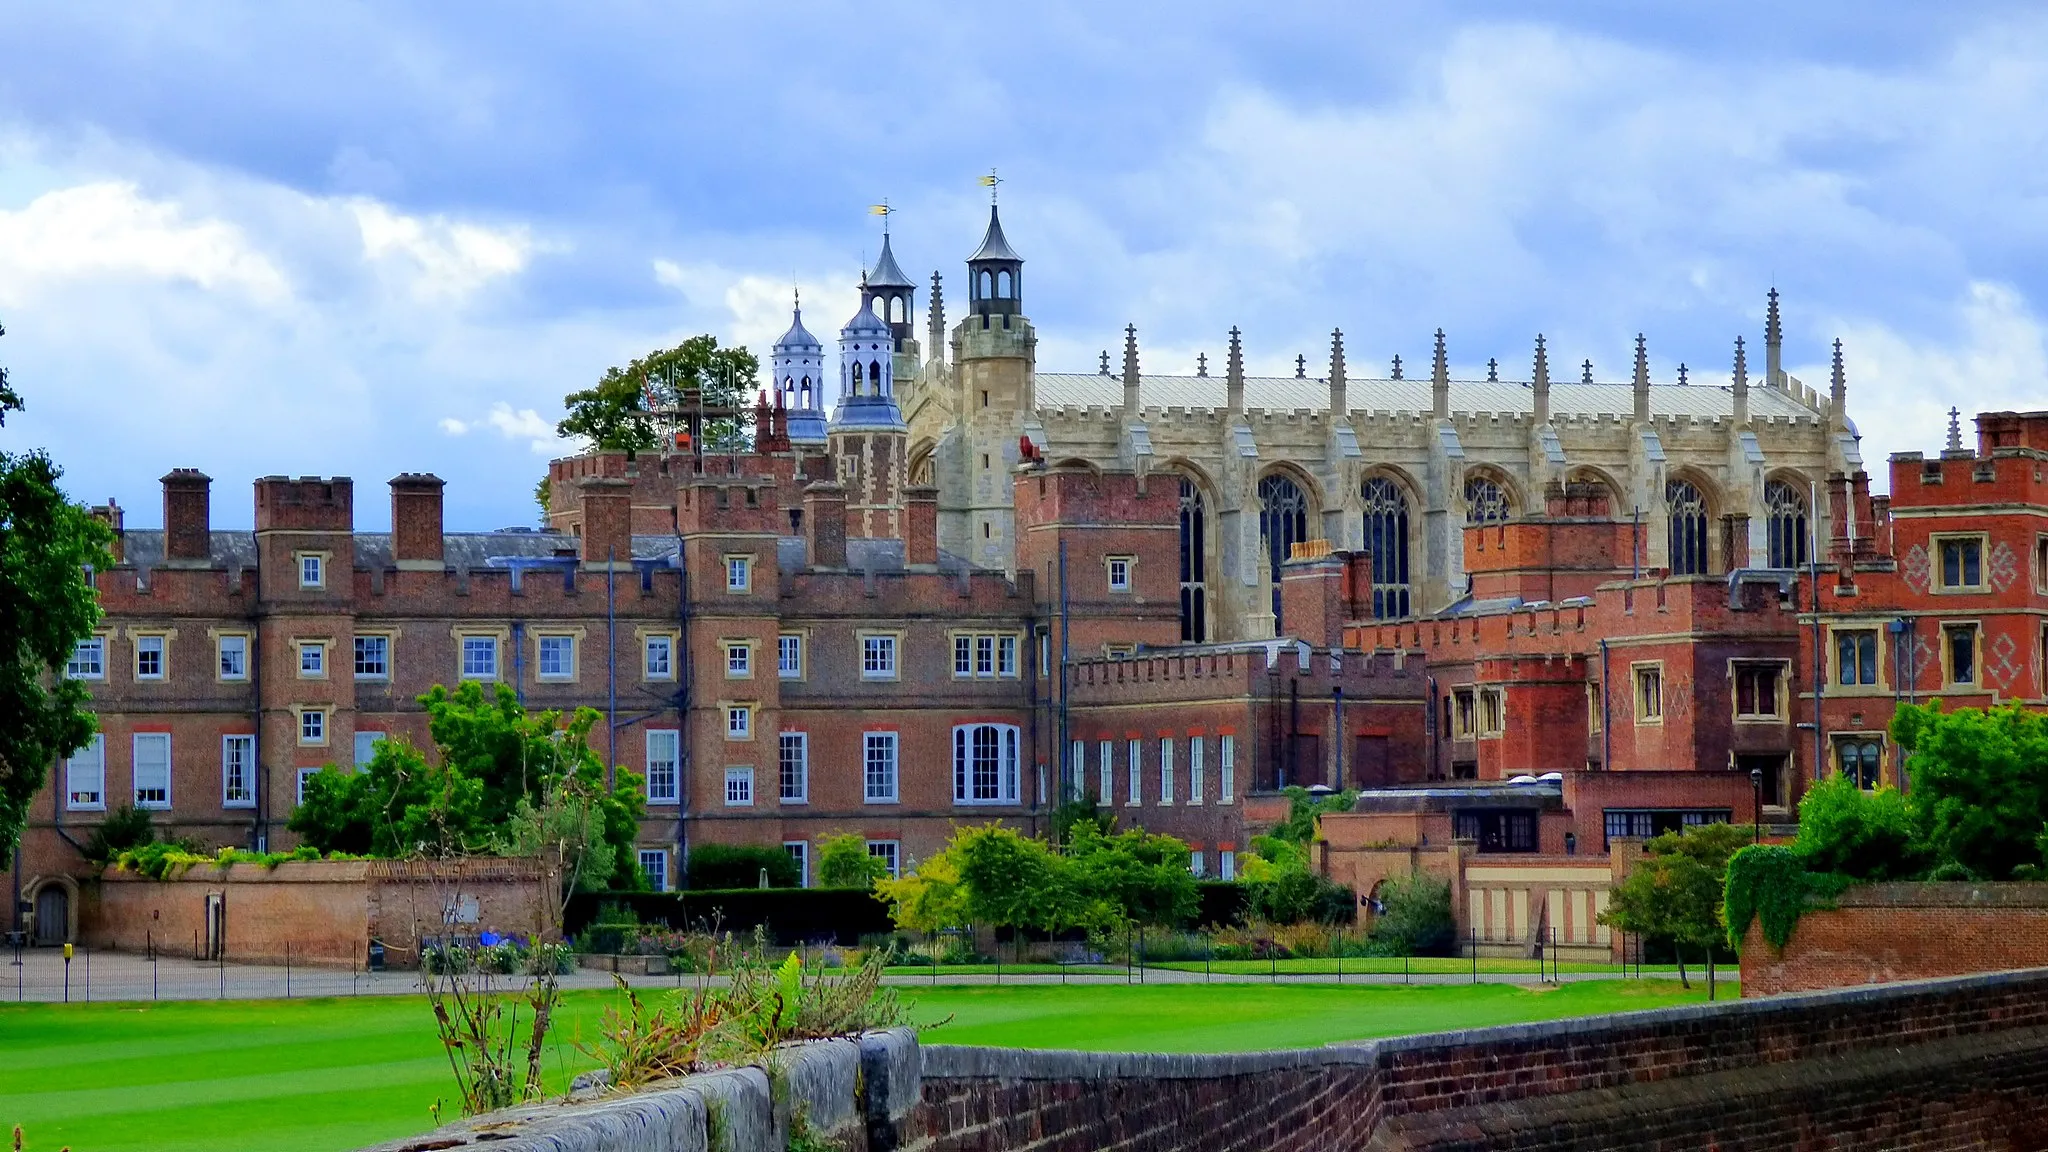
[(109, 229), (454, 427), (448, 259)]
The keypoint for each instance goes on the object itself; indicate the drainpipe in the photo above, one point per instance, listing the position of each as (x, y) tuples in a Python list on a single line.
[(1429, 731), (519, 661), (1337, 697), (1066, 658), (611, 674), (1606, 714), (1819, 680), (1293, 727), (684, 766)]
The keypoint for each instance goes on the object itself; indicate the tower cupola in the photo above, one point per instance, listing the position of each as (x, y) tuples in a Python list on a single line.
[(888, 291), (995, 274), (797, 366), (867, 386)]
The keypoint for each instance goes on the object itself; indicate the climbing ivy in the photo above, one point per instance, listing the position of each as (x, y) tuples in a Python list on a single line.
[(1769, 883)]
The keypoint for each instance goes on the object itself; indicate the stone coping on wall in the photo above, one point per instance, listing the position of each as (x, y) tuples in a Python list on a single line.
[(863, 1094), (339, 871), (1945, 894)]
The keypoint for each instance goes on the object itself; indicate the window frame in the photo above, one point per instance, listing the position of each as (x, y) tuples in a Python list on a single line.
[(981, 654), (657, 878), (223, 643), (892, 855), (745, 650), (1853, 635), (739, 573), (312, 570), (1226, 768), (1948, 677), (541, 643), (136, 741), (1124, 565), (801, 741), (98, 744), (871, 741), (667, 642), (1198, 767), (1840, 742), (673, 793), (462, 654), (317, 649), (742, 711), (1492, 717), (1166, 757), (1007, 769), (362, 647), (786, 669), (1937, 544), (1647, 710), (800, 851), (889, 642), (97, 645), (362, 763), (1781, 676), (311, 718), (230, 795), (743, 776), (159, 646)]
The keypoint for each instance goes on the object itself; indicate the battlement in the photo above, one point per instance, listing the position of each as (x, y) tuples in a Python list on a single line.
[(307, 504), (1246, 668)]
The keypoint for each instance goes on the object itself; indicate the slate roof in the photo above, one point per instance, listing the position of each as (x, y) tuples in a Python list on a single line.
[(993, 244), (1287, 393), (887, 273)]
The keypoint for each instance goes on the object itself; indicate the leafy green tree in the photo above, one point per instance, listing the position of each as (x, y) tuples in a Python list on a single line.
[(1869, 835), (1414, 917), (1136, 875), (497, 769), (47, 606), (614, 414), (930, 897), (845, 862), (1304, 811), (1015, 881), (1675, 892), (1980, 785)]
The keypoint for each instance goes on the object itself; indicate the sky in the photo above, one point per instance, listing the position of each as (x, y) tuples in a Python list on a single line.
[(358, 239)]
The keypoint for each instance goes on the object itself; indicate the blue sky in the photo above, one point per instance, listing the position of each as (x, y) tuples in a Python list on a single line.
[(359, 239)]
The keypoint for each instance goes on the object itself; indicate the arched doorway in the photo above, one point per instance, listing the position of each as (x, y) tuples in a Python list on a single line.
[(53, 914)]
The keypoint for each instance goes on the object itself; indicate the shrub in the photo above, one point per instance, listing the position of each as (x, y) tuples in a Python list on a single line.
[(740, 866), (844, 862), (1415, 916), (1865, 834), (125, 828), (1769, 883)]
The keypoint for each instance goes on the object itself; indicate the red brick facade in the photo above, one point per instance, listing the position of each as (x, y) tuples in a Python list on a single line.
[(1879, 933)]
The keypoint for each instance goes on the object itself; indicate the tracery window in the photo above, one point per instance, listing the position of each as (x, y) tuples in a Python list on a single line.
[(1386, 540), (1486, 501), (1283, 523), (1687, 508), (1194, 564), (1786, 507)]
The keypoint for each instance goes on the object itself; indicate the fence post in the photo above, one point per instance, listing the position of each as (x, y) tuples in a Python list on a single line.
[(287, 969), (1208, 953), (1340, 955), (1404, 967), (67, 973), (1475, 955)]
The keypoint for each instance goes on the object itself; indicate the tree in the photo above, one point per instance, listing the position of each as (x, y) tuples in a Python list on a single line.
[(1675, 891), (929, 897), (1138, 875), (615, 413), (498, 773), (1869, 835), (845, 862), (1980, 785), (1414, 917), (47, 606)]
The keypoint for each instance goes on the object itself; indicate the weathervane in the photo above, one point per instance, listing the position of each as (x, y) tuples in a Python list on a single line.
[(884, 211), (990, 182)]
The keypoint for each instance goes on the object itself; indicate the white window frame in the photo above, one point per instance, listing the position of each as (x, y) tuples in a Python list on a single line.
[(316, 669), (800, 851), (739, 722), (666, 646), (1196, 768), (238, 758), (304, 774), (879, 658), (889, 746), (1165, 771), (237, 644), (801, 742), (1646, 711), (1134, 762), (371, 650), (94, 647), (1106, 770), (312, 727), (1226, 768), (891, 852), (154, 740), (154, 644), (1226, 864), (789, 656), (664, 747), (79, 769), (657, 875), (564, 644), (1196, 863), (312, 570), (967, 789), (985, 656), (486, 646), (1119, 571), (739, 574), (366, 742), (743, 667), (739, 787)]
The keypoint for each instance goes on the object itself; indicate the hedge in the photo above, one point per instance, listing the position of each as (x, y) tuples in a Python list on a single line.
[(791, 915)]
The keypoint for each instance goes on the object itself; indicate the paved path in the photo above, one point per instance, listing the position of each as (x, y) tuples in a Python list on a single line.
[(126, 976)]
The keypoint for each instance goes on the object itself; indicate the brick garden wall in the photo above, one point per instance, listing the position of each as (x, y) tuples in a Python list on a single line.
[(1878, 933), (1955, 1063)]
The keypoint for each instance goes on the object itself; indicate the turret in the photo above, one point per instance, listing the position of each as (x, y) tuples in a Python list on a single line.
[(1641, 389), (1440, 381), (1740, 390), (867, 387), (1340, 403), (888, 291), (1233, 375), (1130, 371), (1774, 346), (797, 366), (1541, 383), (995, 275)]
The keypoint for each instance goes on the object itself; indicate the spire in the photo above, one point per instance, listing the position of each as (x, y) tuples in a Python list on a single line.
[(1130, 371), (1202, 364), (1340, 404), (796, 370), (1774, 343), (1642, 381), (1397, 366), (1838, 384), (1440, 380), (1955, 430), (936, 325), (1233, 373), (1492, 370), (1741, 387), (1301, 366), (1541, 384), (887, 288)]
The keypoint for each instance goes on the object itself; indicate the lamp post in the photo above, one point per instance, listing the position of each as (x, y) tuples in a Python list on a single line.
[(1756, 788)]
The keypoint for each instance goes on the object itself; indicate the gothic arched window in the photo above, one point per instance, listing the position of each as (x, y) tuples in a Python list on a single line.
[(859, 376), (1486, 501), (986, 283), (1194, 564), (1386, 541), (1283, 523), (1786, 507), (1687, 507), (804, 393), (1003, 284), (875, 376)]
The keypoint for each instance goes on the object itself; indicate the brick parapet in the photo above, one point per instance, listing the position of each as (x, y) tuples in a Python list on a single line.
[(1880, 933)]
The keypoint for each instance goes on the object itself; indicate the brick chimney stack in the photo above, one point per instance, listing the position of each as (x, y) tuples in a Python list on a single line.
[(825, 524), (188, 511), (110, 514), (416, 521), (607, 521), (921, 527)]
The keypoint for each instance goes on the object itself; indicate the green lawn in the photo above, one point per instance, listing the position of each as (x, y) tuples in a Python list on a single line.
[(330, 1075)]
